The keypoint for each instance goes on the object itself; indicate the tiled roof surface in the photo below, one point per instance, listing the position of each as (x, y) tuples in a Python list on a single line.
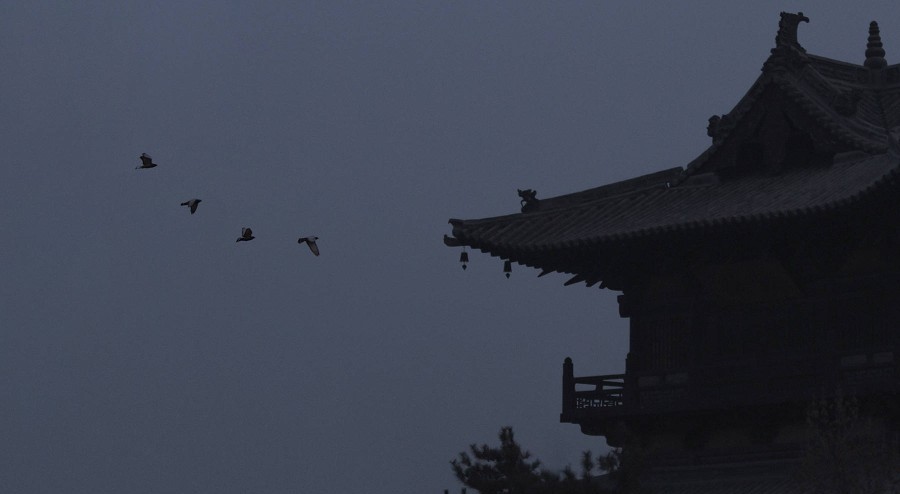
[(890, 101), (654, 205)]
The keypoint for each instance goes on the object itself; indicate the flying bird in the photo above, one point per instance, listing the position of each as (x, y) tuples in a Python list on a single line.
[(146, 161), (246, 235), (311, 242), (192, 204)]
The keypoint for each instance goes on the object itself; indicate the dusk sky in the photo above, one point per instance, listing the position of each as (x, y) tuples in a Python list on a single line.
[(143, 350)]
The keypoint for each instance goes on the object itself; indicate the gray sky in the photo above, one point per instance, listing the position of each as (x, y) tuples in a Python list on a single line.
[(143, 350)]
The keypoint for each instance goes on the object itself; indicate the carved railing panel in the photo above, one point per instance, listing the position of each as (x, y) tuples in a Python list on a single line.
[(608, 391), (765, 383)]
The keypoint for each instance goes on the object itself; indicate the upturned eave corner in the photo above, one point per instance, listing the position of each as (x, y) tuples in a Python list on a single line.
[(452, 241)]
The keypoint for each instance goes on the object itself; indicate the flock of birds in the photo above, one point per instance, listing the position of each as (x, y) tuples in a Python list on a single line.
[(246, 233)]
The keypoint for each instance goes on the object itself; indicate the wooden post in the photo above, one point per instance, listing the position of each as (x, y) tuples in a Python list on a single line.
[(629, 385), (568, 391)]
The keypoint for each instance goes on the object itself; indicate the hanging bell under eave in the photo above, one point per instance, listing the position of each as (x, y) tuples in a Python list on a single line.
[(507, 267), (464, 259)]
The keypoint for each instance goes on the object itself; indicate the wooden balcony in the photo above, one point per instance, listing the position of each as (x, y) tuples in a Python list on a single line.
[(603, 391), (592, 396), (595, 402)]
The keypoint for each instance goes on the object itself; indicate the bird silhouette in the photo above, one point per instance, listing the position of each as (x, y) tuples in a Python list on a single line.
[(246, 235), (192, 204), (146, 161), (311, 242)]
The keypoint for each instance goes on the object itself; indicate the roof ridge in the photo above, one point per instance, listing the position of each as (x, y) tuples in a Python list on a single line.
[(613, 190), (823, 108), (824, 113), (553, 205)]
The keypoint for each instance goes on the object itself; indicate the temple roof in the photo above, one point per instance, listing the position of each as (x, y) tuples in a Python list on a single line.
[(811, 135), (657, 204)]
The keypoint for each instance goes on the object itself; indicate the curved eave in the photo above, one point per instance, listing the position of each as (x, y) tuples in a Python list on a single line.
[(558, 240)]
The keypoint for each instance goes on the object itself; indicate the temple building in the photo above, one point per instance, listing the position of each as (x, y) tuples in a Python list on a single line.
[(758, 279)]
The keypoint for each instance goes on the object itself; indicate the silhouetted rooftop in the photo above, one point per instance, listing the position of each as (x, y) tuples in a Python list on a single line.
[(811, 135)]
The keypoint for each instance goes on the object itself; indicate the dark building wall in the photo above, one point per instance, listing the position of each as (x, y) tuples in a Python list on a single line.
[(751, 312)]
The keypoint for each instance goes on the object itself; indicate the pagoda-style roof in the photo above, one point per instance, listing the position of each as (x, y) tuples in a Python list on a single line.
[(811, 136)]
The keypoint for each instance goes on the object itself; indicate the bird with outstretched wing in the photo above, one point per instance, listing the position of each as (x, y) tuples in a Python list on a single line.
[(311, 243), (146, 161), (193, 203)]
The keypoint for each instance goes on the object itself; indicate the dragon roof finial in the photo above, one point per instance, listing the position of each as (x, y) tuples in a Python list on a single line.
[(787, 30)]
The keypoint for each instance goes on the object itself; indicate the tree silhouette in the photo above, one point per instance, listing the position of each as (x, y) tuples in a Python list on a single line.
[(509, 469)]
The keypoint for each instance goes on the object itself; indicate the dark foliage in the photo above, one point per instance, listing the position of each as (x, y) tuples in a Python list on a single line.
[(509, 469)]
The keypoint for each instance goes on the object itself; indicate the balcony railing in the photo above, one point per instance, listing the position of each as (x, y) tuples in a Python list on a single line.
[(598, 398), (608, 391), (602, 391)]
